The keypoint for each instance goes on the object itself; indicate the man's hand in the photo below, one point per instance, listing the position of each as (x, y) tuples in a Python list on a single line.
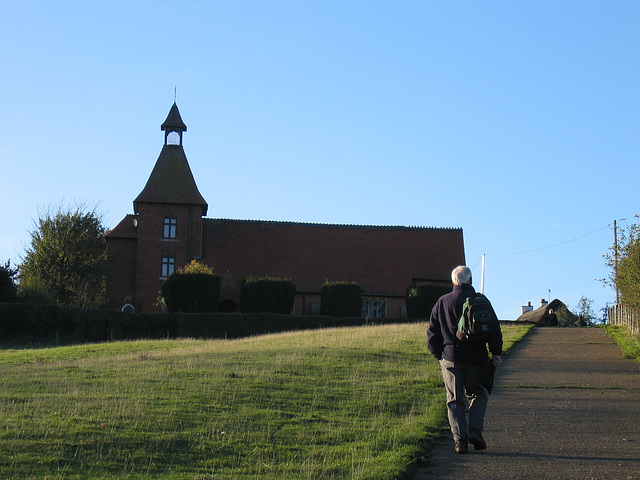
[(497, 360)]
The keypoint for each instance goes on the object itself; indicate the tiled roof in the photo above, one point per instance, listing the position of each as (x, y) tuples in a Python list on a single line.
[(171, 181), (125, 229), (332, 225)]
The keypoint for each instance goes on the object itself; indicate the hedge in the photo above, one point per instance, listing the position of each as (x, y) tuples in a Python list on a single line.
[(52, 324)]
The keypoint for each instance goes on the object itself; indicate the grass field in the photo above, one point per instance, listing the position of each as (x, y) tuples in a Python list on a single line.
[(351, 403)]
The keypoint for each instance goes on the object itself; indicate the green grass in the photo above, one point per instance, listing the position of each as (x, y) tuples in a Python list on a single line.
[(630, 344), (351, 403)]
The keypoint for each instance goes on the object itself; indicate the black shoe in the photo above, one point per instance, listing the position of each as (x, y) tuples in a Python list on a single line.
[(461, 446), (477, 441)]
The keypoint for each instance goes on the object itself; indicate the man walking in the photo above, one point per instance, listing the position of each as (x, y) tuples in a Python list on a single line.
[(463, 364)]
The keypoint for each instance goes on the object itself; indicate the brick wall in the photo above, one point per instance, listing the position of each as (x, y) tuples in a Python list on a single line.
[(151, 247), (121, 268), (383, 260)]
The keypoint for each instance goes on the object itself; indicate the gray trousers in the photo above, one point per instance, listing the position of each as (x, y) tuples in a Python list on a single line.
[(462, 383)]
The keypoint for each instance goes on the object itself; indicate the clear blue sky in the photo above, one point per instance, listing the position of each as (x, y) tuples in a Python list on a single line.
[(517, 121)]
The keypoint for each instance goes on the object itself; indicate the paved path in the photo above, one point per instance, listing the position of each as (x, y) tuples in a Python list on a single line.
[(566, 405)]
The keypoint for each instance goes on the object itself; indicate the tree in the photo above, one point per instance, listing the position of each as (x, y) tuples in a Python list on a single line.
[(8, 289), (585, 312), (624, 261), (67, 257)]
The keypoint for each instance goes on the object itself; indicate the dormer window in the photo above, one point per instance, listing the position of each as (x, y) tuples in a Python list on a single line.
[(170, 228)]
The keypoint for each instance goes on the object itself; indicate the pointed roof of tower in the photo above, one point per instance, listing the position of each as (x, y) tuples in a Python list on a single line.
[(174, 121), (171, 180)]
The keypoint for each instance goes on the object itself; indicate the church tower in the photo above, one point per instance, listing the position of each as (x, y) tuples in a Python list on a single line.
[(166, 227)]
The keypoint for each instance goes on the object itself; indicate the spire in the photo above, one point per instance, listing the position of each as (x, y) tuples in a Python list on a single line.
[(173, 123)]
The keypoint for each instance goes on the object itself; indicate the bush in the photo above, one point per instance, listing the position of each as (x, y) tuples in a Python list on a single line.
[(341, 299), (267, 295), (421, 298), (566, 318), (192, 292)]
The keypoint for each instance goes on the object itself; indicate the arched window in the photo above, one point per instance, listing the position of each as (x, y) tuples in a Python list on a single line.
[(374, 308), (382, 308), (364, 311), (173, 138)]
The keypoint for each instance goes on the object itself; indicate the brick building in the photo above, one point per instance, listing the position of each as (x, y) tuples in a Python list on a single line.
[(168, 229)]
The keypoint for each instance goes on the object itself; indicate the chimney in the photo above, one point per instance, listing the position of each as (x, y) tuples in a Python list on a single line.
[(526, 308)]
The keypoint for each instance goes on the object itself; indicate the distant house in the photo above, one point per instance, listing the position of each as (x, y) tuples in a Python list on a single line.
[(168, 229), (545, 315)]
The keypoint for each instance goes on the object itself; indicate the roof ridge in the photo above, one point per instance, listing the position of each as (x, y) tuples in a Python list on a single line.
[(336, 225)]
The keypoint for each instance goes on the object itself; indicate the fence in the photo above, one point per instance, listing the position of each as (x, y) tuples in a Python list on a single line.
[(625, 316)]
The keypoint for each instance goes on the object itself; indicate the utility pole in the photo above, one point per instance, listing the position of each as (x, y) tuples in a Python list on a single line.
[(615, 260), (482, 278)]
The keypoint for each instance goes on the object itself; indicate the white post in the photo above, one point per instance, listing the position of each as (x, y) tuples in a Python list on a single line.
[(615, 260), (482, 278)]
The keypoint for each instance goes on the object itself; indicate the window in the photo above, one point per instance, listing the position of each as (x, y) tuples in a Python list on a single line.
[(173, 138), (168, 266), (170, 229), (374, 308)]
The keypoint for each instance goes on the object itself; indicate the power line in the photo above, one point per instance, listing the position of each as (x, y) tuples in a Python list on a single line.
[(549, 246)]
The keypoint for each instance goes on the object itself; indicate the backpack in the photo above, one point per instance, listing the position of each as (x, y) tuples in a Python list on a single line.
[(473, 325)]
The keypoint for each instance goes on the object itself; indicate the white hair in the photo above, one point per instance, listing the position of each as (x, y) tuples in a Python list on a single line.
[(461, 274)]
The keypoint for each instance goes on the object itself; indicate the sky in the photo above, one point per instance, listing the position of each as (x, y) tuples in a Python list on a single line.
[(516, 121)]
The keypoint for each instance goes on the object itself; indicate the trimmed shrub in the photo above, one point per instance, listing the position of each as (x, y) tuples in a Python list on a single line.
[(341, 299), (421, 298), (267, 295), (191, 292)]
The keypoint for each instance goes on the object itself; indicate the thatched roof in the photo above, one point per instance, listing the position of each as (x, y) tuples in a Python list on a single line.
[(540, 316)]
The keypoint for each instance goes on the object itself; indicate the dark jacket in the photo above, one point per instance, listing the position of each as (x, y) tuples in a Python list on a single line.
[(443, 323)]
